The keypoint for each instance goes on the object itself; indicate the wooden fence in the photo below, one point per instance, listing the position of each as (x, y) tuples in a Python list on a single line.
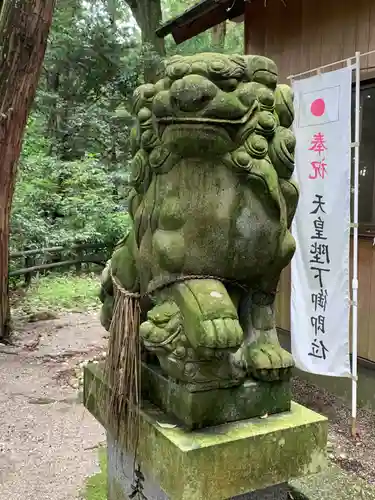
[(45, 259)]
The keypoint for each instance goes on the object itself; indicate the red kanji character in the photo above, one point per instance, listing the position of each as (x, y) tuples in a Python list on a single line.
[(319, 168), (318, 143)]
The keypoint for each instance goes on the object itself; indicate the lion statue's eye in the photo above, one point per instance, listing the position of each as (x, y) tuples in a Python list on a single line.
[(228, 85), (178, 70)]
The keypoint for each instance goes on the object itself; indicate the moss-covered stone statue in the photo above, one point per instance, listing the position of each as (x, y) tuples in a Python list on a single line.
[(212, 204)]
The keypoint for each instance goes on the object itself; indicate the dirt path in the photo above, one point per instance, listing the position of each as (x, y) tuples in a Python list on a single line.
[(354, 455), (48, 441)]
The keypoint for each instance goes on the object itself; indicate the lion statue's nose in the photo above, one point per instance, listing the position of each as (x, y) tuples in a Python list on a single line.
[(192, 93)]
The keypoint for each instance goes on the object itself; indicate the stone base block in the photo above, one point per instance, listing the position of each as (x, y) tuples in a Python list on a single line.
[(214, 463), (121, 483), (216, 406)]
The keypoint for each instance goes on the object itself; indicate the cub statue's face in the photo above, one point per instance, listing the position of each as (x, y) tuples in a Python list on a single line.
[(208, 104)]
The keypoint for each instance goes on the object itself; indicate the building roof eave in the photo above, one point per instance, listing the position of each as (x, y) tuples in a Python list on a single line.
[(202, 16)]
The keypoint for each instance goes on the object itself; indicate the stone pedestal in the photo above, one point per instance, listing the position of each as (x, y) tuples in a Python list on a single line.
[(196, 409), (120, 481), (215, 463)]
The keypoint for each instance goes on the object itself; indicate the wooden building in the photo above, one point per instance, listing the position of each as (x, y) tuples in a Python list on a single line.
[(300, 35)]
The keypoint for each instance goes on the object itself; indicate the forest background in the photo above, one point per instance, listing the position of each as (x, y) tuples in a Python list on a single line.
[(72, 180), (67, 187)]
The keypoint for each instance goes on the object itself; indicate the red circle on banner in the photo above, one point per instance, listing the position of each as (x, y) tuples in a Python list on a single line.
[(318, 107)]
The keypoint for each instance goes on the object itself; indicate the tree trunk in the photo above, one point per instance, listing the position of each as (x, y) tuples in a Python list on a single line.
[(148, 15), (218, 36), (24, 28)]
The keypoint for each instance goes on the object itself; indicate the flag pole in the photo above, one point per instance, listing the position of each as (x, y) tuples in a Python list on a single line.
[(355, 246)]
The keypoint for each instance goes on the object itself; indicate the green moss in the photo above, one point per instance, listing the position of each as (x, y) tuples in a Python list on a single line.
[(96, 486), (222, 461), (215, 406), (56, 293)]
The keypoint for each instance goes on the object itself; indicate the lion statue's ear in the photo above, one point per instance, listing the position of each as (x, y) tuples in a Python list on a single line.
[(239, 60), (262, 70), (173, 59), (135, 139), (284, 97)]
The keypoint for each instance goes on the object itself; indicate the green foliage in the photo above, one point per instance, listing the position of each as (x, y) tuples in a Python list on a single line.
[(73, 174), (74, 170), (91, 67), (58, 202), (56, 293)]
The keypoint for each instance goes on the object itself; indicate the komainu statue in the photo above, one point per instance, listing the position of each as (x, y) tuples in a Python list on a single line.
[(212, 203)]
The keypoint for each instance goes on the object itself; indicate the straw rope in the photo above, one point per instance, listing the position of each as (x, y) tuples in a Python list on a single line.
[(122, 369)]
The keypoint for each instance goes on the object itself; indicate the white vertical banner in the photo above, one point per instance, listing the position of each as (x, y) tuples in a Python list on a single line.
[(320, 301)]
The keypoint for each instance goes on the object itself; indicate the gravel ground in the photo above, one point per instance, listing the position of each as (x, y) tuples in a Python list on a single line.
[(48, 441), (354, 455)]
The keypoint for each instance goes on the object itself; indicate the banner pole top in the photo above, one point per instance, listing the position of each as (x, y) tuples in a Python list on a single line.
[(319, 69)]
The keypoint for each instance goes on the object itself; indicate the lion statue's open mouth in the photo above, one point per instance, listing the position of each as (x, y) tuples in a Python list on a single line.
[(209, 104)]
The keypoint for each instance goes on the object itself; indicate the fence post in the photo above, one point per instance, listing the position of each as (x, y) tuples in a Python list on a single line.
[(29, 262), (79, 254)]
